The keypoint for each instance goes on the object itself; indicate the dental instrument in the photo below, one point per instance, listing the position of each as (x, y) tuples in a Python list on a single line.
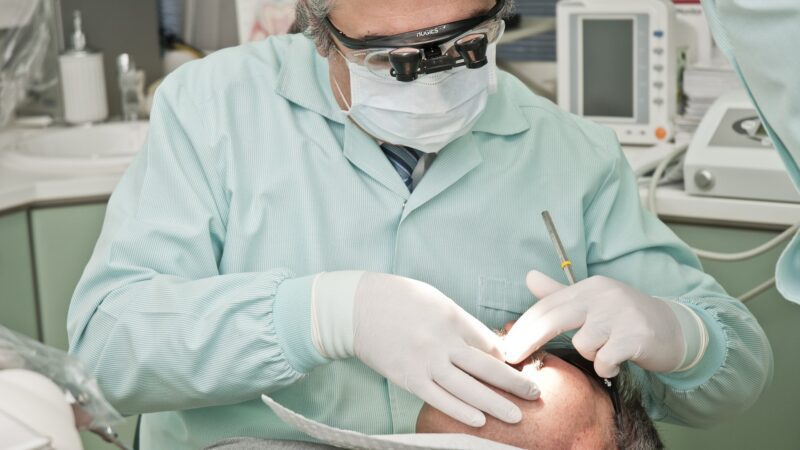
[(566, 264)]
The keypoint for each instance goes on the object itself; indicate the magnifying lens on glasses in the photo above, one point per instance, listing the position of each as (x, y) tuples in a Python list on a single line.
[(408, 63)]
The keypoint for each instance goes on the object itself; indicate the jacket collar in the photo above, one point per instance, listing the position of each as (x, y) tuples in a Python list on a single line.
[(304, 79), (502, 115)]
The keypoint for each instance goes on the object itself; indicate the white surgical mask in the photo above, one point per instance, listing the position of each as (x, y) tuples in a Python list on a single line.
[(427, 113)]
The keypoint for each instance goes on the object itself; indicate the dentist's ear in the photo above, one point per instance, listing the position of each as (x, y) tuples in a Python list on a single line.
[(541, 285)]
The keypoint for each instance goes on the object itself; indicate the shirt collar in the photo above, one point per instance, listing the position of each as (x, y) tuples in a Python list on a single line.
[(304, 80)]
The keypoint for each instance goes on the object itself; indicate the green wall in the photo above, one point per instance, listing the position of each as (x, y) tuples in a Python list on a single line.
[(774, 422), (17, 296), (63, 240)]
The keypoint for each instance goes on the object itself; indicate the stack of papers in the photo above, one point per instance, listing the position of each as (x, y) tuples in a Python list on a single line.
[(702, 84)]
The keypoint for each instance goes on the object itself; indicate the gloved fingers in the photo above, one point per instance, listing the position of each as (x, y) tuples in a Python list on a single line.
[(478, 335), (613, 353), (541, 285), (573, 295), (533, 330), (477, 394), (495, 373), (589, 339), (447, 403)]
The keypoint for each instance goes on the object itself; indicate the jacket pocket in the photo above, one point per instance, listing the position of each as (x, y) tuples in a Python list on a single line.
[(500, 301)]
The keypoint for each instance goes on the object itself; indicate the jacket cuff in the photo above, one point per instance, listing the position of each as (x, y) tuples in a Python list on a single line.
[(695, 335), (292, 321), (709, 361)]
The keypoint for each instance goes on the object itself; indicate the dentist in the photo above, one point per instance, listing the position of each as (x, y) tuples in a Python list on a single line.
[(341, 221)]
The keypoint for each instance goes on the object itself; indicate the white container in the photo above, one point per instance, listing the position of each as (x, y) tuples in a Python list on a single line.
[(84, 86), (83, 81)]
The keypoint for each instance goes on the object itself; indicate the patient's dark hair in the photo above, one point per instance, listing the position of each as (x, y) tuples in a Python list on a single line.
[(637, 431)]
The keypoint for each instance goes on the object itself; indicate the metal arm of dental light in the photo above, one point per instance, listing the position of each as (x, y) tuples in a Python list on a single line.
[(718, 256)]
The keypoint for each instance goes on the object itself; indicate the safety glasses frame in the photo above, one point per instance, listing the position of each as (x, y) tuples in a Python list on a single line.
[(418, 38)]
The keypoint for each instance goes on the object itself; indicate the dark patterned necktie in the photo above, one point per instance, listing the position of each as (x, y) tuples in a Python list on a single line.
[(404, 160)]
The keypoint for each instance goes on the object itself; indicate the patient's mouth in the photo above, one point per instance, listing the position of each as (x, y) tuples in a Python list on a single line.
[(533, 363)]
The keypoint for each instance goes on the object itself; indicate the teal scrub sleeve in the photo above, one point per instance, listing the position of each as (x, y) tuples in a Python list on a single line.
[(630, 244), (760, 38), (153, 316)]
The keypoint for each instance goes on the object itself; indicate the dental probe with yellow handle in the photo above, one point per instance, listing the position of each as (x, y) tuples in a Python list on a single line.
[(566, 264)]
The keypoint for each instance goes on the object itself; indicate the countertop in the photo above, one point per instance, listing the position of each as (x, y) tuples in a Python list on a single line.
[(19, 190)]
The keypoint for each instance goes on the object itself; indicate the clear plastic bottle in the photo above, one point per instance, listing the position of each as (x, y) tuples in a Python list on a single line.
[(128, 87)]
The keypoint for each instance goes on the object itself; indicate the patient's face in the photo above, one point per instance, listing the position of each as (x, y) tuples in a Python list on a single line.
[(573, 412)]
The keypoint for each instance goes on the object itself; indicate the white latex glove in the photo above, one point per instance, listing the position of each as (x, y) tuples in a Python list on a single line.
[(419, 339), (617, 323)]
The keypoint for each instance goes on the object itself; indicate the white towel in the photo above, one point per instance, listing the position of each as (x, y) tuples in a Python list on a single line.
[(351, 439)]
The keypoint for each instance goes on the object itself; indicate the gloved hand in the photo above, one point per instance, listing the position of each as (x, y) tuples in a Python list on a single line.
[(419, 339), (617, 323)]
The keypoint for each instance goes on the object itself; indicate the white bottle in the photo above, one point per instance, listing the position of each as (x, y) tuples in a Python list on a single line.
[(83, 80)]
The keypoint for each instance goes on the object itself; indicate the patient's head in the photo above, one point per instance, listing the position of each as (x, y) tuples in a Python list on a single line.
[(574, 411)]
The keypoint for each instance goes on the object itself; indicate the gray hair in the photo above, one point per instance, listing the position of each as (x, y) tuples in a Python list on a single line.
[(310, 17), (637, 431)]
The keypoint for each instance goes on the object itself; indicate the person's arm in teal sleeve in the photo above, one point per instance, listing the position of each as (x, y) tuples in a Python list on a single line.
[(629, 244), (760, 37), (152, 316)]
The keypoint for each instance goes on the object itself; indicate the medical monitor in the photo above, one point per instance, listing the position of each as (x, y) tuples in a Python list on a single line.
[(608, 56), (617, 65)]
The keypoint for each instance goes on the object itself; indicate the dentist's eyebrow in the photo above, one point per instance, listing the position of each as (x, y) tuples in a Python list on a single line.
[(474, 12)]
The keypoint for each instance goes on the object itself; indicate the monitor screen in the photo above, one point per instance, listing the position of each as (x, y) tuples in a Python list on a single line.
[(608, 64)]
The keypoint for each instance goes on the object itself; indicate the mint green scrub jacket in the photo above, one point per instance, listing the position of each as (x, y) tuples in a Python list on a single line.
[(251, 181), (761, 38)]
